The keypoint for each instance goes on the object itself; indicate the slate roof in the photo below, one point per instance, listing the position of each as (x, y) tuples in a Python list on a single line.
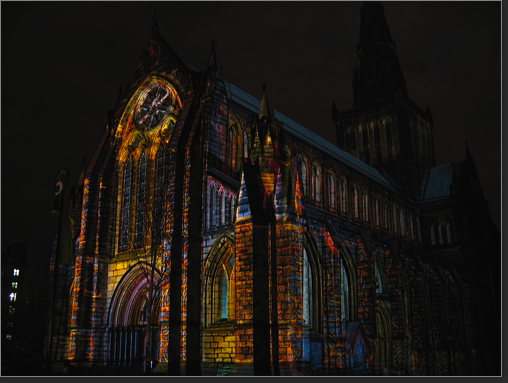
[(239, 96), (437, 182)]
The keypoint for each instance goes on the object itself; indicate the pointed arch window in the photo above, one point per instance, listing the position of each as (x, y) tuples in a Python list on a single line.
[(316, 183), (395, 219), (308, 291), (345, 300), (126, 204), (440, 231), (331, 190), (245, 144), (402, 222), (355, 203), (303, 171), (141, 202), (418, 230), (342, 195), (159, 193), (377, 218), (432, 234), (366, 206)]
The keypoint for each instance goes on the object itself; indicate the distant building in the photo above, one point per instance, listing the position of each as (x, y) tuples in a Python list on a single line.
[(13, 300), (214, 235)]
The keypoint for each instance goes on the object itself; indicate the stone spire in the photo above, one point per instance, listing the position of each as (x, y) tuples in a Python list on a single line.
[(377, 75)]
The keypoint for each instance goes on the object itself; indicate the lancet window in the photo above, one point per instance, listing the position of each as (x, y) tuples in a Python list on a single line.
[(126, 205), (141, 202)]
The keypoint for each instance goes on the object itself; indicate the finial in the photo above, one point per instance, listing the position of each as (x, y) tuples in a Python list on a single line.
[(155, 26)]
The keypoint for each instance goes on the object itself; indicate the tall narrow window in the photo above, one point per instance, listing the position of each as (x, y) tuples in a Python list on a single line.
[(159, 193), (402, 222), (344, 292), (432, 234), (448, 233), (342, 195), (126, 206), (418, 230), (15, 272), (316, 183), (355, 203), (308, 290), (440, 231), (366, 206), (223, 295), (303, 170), (395, 219), (331, 190), (245, 144), (377, 213), (141, 203)]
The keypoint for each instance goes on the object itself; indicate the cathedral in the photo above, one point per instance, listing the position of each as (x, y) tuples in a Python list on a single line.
[(212, 235)]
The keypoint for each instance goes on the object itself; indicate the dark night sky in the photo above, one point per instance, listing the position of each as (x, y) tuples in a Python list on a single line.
[(63, 63)]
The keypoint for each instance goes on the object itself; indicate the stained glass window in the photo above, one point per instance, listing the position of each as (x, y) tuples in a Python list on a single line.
[(126, 204), (308, 290), (141, 202)]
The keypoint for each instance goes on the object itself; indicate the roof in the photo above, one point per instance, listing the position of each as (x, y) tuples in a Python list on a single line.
[(239, 96), (438, 182)]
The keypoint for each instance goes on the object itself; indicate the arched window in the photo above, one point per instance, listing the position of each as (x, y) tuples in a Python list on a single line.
[(432, 234), (395, 219), (345, 300), (377, 213), (418, 230), (366, 206), (355, 203), (316, 183), (342, 195), (223, 293), (159, 193), (331, 190), (448, 233), (386, 214), (379, 279), (245, 144), (126, 206), (440, 231), (402, 222), (303, 170), (308, 291), (411, 227), (141, 202)]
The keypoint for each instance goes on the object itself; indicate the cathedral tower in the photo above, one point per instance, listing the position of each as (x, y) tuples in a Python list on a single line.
[(384, 128)]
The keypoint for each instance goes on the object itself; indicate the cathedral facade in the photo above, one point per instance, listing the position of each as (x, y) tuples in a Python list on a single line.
[(214, 235)]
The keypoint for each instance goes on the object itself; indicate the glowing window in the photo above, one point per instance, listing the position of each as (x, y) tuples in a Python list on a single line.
[(12, 297), (8, 337), (14, 285), (141, 202), (303, 170), (15, 272), (159, 189), (224, 295), (245, 145), (12, 310), (366, 206), (377, 213), (344, 292), (342, 195), (331, 190), (315, 183), (308, 291), (126, 204)]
